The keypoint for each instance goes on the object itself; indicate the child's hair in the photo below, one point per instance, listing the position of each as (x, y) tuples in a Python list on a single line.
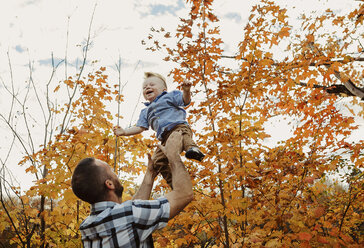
[(153, 74)]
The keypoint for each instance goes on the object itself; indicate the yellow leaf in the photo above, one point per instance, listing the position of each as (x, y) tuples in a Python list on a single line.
[(273, 243), (180, 241)]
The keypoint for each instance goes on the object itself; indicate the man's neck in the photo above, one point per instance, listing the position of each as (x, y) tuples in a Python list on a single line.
[(113, 197)]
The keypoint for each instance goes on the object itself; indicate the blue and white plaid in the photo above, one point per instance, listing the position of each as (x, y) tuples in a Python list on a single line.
[(129, 224)]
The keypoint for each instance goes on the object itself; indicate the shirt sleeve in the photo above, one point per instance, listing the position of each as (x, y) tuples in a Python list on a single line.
[(178, 98), (143, 120), (150, 215)]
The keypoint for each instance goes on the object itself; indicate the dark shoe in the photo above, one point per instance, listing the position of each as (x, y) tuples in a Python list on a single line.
[(194, 153)]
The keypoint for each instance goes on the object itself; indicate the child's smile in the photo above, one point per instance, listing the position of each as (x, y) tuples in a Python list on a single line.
[(149, 91), (152, 87)]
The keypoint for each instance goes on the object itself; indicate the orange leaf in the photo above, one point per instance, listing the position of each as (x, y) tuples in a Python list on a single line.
[(322, 240), (309, 180), (57, 88), (319, 211), (180, 242), (305, 236)]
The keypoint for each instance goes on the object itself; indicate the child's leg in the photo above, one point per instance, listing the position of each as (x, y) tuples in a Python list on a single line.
[(192, 151), (160, 163), (187, 136)]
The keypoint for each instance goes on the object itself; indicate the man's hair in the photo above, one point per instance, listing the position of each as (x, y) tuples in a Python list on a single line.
[(88, 181), (153, 74)]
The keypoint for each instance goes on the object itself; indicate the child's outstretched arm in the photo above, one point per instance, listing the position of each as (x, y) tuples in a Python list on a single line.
[(118, 131), (186, 90)]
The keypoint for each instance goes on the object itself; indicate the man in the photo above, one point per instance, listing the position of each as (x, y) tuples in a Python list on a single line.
[(113, 223)]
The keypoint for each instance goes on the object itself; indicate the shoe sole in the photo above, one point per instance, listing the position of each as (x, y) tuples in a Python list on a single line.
[(195, 156)]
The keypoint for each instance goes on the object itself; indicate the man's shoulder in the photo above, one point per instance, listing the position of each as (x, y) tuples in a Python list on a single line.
[(104, 213), (149, 213), (146, 203), (141, 203), (146, 215)]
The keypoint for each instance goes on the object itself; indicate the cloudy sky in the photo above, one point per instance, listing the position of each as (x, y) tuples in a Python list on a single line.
[(33, 30)]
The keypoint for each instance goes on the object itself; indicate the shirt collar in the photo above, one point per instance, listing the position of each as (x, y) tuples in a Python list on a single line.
[(156, 99), (98, 207)]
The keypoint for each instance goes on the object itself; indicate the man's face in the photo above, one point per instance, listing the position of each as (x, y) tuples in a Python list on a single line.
[(112, 176), (152, 87)]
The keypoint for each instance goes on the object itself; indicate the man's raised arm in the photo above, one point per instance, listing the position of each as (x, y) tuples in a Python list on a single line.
[(147, 184), (182, 193)]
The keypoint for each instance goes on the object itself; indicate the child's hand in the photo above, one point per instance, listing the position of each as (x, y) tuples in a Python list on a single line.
[(186, 85), (118, 131)]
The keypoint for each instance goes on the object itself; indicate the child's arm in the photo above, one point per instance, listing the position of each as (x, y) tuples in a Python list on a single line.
[(118, 131), (186, 89)]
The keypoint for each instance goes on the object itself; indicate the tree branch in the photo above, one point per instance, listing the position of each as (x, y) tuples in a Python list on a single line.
[(347, 82)]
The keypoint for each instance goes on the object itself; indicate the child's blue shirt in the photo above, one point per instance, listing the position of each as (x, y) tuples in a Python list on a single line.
[(164, 113)]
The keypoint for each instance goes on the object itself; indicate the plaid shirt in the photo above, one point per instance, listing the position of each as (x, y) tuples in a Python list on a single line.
[(129, 224)]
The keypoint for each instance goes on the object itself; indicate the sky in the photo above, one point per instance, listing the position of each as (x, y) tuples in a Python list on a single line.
[(34, 30)]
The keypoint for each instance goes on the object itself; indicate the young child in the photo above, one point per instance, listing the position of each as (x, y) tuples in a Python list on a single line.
[(164, 113)]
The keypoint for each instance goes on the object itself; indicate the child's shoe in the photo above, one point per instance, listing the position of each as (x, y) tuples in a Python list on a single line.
[(194, 153)]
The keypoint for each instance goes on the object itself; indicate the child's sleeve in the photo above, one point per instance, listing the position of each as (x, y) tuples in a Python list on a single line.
[(178, 98), (143, 121)]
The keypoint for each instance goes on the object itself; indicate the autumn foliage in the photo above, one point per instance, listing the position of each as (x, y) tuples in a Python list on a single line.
[(305, 191)]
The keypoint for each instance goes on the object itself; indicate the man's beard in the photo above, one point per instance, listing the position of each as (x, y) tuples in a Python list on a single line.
[(118, 188)]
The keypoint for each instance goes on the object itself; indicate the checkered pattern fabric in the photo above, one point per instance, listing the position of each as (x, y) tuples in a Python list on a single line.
[(129, 224)]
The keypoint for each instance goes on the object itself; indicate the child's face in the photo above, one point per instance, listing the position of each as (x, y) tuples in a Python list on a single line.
[(152, 87)]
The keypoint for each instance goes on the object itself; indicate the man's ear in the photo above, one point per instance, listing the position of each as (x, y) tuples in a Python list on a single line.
[(109, 184)]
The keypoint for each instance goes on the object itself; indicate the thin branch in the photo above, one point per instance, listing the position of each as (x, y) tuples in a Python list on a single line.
[(347, 207), (118, 67), (48, 121), (8, 153), (11, 220), (212, 227), (21, 142), (12, 86), (327, 62), (120, 90), (140, 93), (66, 52), (350, 86), (85, 51), (26, 122), (34, 88)]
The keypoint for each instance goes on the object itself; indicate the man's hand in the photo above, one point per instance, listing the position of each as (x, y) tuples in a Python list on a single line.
[(182, 192), (173, 147), (150, 168), (147, 184), (118, 131)]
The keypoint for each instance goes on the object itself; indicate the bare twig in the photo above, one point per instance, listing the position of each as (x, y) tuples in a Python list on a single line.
[(12, 87), (85, 51)]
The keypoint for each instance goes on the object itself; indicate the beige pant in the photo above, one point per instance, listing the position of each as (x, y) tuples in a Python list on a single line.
[(160, 161)]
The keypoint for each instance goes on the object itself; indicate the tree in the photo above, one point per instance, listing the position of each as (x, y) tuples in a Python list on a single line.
[(252, 195), (52, 212), (248, 194), (73, 127)]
